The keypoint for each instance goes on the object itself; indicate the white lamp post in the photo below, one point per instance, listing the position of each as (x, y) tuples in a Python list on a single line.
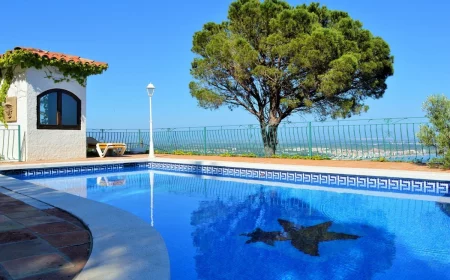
[(150, 90)]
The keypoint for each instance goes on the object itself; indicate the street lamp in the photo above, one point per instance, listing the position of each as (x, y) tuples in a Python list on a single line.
[(150, 90)]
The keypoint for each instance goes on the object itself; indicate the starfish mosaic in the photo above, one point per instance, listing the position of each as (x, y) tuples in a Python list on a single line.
[(304, 239)]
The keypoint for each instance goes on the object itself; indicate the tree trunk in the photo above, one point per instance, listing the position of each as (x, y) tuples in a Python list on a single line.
[(269, 134)]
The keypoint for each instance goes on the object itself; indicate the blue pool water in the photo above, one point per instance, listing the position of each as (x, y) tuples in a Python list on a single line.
[(202, 221)]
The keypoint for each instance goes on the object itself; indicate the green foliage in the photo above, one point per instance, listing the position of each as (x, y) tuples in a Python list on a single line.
[(185, 153), (380, 159), (437, 133), (274, 60), (435, 163), (252, 155), (314, 157), (25, 59), (228, 154), (6, 80)]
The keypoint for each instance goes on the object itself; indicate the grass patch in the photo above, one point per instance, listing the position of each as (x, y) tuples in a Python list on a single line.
[(380, 159), (314, 157), (251, 155), (185, 153)]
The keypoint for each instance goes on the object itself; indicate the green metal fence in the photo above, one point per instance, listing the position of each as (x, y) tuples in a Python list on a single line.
[(393, 138), (10, 143)]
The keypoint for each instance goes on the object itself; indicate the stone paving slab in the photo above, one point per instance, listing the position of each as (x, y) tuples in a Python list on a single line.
[(65, 216), (28, 214), (38, 220), (67, 238), (25, 199), (10, 225), (17, 250), (16, 236), (3, 274), (5, 209), (20, 268), (78, 256), (53, 228), (37, 244)]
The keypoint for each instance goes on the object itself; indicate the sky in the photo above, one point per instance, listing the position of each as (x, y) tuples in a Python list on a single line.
[(150, 41)]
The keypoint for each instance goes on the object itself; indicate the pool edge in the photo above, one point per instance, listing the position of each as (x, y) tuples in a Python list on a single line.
[(425, 175), (124, 246), (408, 182)]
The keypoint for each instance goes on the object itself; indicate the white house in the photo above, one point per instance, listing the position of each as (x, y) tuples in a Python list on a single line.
[(51, 115)]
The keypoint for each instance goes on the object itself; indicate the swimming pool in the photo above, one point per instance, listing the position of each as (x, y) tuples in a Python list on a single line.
[(222, 228)]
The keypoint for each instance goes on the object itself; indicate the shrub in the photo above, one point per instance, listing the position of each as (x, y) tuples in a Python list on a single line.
[(184, 153), (437, 133), (381, 159), (248, 155), (226, 155), (314, 157)]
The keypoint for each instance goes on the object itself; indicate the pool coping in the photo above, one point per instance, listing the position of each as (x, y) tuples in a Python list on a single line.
[(383, 180), (124, 246), (407, 174)]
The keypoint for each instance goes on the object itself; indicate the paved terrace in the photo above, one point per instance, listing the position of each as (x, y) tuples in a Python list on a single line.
[(40, 241), (403, 166)]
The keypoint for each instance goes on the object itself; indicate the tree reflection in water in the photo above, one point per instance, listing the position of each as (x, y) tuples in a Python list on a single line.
[(223, 254), (305, 239)]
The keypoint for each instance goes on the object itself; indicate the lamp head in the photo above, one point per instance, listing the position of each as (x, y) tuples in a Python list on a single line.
[(150, 89)]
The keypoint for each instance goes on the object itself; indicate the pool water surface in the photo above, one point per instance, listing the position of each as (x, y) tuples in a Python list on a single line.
[(215, 228)]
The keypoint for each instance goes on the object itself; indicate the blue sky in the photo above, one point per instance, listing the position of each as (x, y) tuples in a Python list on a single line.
[(150, 41)]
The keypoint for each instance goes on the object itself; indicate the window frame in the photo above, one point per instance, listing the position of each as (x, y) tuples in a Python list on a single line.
[(59, 125)]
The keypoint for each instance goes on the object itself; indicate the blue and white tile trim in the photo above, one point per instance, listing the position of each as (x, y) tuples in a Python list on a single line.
[(347, 181)]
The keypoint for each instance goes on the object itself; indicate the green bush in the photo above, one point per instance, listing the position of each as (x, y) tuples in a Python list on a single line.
[(184, 153), (435, 162), (381, 159), (248, 155), (437, 133), (227, 155), (314, 157)]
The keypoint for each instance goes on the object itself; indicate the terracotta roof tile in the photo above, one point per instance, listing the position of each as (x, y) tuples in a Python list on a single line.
[(60, 56)]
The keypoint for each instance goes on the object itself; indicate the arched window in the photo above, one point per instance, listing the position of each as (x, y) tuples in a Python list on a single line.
[(58, 109)]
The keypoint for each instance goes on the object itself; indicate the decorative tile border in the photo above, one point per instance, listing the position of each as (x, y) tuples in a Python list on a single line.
[(63, 171), (362, 182)]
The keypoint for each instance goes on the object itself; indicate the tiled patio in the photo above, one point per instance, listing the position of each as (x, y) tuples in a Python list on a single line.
[(40, 242)]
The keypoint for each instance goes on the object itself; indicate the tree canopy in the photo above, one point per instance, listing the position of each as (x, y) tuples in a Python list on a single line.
[(274, 59)]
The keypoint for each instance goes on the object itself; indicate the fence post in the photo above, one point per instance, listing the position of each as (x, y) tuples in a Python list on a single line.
[(204, 140), (310, 139), (18, 138), (140, 139)]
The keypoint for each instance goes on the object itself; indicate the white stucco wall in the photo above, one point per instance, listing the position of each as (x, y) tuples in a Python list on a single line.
[(46, 144)]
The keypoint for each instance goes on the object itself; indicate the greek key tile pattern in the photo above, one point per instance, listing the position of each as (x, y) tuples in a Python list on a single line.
[(62, 171), (386, 184)]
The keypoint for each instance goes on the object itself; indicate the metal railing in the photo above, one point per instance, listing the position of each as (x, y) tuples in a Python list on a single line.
[(10, 143), (391, 138)]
